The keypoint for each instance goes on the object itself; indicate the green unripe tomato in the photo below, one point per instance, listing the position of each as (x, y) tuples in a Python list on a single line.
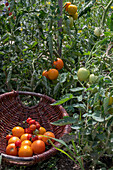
[(69, 22), (83, 74), (92, 78), (98, 31)]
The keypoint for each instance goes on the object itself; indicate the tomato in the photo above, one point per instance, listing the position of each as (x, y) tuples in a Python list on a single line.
[(40, 137), (75, 16), (25, 151), (17, 131), (11, 149), (29, 137), (58, 64), (71, 9), (98, 31), (38, 146), (26, 142), (83, 74), (49, 134), (28, 119), (8, 136), (10, 13), (32, 122), (25, 136), (6, 4), (32, 127), (28, 130), (92, 78), (53, 74), (37, 125), (18, 143), (13, 139), (35, 137), (42, 130), (66, 5), (45, 73)]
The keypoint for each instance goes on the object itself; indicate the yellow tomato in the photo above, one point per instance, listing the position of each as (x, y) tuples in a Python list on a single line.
[(72, 9)]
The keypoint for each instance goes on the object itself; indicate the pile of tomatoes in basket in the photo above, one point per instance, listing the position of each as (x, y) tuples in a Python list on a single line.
[(24, 142)]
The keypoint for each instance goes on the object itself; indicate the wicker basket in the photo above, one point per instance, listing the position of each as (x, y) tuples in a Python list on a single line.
[(13, 112)]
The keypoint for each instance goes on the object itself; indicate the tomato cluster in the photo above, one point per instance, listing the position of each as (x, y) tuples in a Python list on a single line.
[(24, 142), (53, 73)]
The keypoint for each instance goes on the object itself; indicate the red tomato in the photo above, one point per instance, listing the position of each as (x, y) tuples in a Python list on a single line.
[(6, 4), (32, 127), (18, 143), (37, 125), (28, 130), (32, 122), (35, 137), (10, 13), (28, 119), (29, 137), (8, 136)]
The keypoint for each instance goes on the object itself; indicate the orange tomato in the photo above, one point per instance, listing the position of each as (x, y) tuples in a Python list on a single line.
[(11, 149), (38, 146), (26, 142), (13, 139), (40, 137), (66, 5), (49, 134), (17, 131), (32, 127), (25, 151), (45, 73), (8, 136), (24, 137), (58, 64), (42, 130), (53, 74), (72, 9)]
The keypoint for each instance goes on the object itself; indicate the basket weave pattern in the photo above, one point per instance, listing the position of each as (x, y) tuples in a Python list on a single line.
[(13, 112)]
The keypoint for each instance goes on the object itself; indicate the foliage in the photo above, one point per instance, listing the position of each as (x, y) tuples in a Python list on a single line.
[(31, 39)]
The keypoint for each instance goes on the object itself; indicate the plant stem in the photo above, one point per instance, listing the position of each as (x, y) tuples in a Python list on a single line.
[(104, 13)]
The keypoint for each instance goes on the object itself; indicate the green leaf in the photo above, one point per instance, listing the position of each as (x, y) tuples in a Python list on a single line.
[(105, 104), (111, 25), (77, 89), (63, 100), (63, 77), (65, 121)]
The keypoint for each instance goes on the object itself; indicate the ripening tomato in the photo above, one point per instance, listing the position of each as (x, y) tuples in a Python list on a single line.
[(8, 136), (48, 134), (13, 139), (32, 127), (42, 130), (26, 142), (17, 131), (32, 122), (28, 130), (11, 149), (25, 151), (28, 119), (18, 143), (38, 146), (37, 125), (35, 137), (58, 63)]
